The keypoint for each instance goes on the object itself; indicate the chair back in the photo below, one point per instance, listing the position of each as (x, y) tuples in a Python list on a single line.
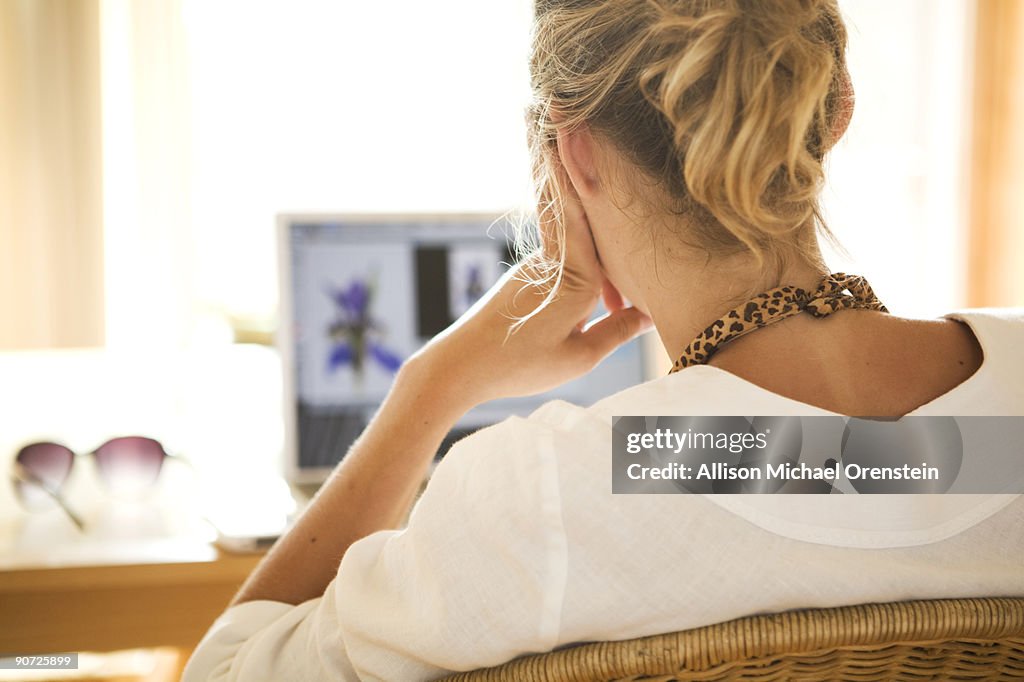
[(941, 639)]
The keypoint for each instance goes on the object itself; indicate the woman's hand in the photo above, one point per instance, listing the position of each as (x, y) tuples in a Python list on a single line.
[(484, 358)]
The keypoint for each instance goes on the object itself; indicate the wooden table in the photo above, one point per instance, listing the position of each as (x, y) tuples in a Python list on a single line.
[(107, 608), (168, 598)]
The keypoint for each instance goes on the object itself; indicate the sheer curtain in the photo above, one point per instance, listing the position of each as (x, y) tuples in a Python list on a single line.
[(997, 201), (95, 223), (51, 218), (146, 156), (897, 180)]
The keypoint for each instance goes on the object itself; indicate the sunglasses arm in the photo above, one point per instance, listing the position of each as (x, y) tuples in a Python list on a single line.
[(24, 474)]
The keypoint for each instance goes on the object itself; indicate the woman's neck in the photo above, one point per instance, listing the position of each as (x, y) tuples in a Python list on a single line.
[(700, 291)]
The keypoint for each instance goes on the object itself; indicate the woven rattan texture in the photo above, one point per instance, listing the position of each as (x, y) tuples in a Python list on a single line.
[(946, 639)]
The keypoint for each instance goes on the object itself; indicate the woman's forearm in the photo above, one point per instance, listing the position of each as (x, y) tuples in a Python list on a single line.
[(475, 360), (372, 489)]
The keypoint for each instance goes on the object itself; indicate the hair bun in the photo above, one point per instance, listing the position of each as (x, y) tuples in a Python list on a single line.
[(725, 104), (745, 90)]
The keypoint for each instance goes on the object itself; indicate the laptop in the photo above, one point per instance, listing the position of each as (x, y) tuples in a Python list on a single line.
[(360, 294)]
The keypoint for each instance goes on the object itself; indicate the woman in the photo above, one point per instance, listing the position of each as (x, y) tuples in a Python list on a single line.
[(678, 150)]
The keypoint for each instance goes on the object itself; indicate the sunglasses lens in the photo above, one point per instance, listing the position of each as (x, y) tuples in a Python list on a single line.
[(131, 464), (43, 466)]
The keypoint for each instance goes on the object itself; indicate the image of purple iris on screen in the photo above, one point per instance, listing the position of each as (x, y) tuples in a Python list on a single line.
[(474, 285), (471, 272), (356, 335)]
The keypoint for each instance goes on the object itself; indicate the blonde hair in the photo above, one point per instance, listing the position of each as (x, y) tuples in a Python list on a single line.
[(725, 106)]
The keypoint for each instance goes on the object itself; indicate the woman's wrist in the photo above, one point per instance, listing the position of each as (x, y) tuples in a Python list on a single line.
[(433, 384)]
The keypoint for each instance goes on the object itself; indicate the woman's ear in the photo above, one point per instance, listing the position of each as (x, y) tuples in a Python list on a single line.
[(577, 153), (844, 109)]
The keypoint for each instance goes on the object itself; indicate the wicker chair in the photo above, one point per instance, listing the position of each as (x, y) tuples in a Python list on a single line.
[(946, 639)]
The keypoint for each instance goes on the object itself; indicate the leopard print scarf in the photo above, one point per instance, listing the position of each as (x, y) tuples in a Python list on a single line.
[(778, 304)]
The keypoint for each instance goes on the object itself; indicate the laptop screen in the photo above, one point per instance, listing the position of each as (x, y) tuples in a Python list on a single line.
[(362, 294)]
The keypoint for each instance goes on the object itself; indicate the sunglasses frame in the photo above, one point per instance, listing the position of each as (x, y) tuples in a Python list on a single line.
[(22, 474)]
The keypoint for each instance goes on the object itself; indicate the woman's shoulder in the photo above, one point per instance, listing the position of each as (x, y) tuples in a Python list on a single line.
[(708, 390)]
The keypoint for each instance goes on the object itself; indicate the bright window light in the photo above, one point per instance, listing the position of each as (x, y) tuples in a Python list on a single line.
[(342, 106), (307, 105), (898, 179)]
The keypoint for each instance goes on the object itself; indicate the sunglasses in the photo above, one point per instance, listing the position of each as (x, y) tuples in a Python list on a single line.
[(127, 465)]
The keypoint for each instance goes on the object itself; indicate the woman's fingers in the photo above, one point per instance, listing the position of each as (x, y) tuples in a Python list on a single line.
[(569, 240), (612, 330), (611, 296), (580, 253)]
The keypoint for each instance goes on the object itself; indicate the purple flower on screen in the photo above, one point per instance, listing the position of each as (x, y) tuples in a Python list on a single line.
[(355, 334), (474, 285)]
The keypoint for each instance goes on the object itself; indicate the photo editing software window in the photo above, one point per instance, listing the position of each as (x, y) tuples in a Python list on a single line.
[(366, 294)]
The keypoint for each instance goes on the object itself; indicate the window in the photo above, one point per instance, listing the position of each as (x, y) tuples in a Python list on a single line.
[(340, 106), (898, 180)]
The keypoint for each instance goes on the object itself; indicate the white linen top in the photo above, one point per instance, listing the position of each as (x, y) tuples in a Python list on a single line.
[(517, 544)]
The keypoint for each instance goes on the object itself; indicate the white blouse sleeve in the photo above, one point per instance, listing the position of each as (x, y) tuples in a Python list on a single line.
[(476, 578)]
